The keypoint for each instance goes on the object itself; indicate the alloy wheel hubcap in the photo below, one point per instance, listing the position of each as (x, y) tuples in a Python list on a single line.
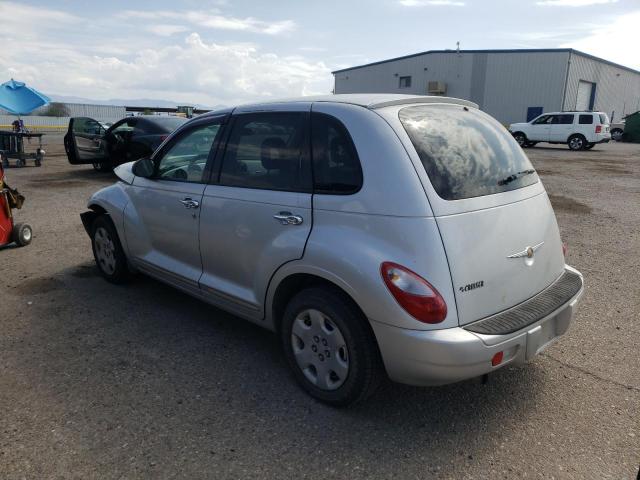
[(576, 143), (105, 251), (320, 350)]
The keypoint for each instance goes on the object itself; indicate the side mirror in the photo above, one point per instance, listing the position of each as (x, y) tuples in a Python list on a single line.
[(143, 168)]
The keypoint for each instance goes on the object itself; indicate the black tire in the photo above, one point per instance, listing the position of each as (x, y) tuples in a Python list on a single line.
[(521, 138), (101, 166), (22, 234), (577, 142), (365, 368), (109, 257), (589, 146), (530, 144), (616, 134)]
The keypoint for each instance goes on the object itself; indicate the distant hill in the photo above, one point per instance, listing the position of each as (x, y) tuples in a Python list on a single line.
[(136, 102)]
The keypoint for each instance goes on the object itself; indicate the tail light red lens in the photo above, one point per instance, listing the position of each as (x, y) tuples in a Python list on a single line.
[(415, 295), (598, 128), (497, 359), (163, 138)]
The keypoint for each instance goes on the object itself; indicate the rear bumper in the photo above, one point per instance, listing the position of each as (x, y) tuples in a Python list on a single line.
[(439, 357)]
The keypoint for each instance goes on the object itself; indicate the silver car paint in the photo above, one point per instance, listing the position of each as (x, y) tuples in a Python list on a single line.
[(350, 236)]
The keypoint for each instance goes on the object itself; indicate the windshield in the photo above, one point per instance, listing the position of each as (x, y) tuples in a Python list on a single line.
[(465, 152)]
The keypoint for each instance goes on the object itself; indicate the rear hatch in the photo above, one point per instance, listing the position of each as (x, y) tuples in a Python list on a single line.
[(497, 224)]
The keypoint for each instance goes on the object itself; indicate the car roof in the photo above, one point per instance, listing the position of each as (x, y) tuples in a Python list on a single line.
[(573, 111), (367, 100)]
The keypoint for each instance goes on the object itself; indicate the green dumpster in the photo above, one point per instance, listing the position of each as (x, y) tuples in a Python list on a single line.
[(632, 128)]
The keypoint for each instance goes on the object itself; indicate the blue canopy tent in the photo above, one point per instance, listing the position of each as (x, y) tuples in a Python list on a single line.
[(17, 98)]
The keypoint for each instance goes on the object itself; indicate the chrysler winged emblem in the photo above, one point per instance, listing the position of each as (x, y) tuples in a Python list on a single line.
[(527, 252)]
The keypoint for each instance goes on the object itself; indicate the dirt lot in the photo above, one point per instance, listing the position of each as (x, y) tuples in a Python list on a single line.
[(99, 381)]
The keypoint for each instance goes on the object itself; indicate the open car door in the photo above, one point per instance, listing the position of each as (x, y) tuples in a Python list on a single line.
[(84, 141)]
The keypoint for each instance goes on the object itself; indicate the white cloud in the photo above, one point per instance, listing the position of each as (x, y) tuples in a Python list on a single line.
[(616, 41), (213, 19), (192, 72), (425, 3), (166, 30), (573, 3)]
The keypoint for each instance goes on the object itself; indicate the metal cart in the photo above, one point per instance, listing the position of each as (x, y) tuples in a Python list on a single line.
[(12, 145)]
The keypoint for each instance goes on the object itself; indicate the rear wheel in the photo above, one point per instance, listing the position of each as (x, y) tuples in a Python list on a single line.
[(521, 138), (107, 251), (576, 142), (330, 347), (530, 144), (589, 146), (22, 234)]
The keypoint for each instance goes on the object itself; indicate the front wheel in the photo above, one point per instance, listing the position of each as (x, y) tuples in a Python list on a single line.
[(22, 234), (101, 166), (576, 142), (107, 251), (330, 347)]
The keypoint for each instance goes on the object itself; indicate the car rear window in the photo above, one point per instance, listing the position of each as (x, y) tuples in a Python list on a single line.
[(465, 152)]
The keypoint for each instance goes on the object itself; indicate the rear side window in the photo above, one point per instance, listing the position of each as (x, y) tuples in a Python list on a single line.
[(336, 167), (265, 151), (586, 119), (465, 152), (604, 120)]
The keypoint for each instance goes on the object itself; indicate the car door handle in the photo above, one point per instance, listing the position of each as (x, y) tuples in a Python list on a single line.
[(189, 203), (287, 218)]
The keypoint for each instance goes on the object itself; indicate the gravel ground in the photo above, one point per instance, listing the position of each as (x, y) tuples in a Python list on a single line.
[(100, 381)]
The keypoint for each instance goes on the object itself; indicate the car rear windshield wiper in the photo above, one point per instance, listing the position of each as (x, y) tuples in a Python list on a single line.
[(515, 176)]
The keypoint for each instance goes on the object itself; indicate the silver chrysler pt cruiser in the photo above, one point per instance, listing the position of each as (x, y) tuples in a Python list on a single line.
[(406, 235)]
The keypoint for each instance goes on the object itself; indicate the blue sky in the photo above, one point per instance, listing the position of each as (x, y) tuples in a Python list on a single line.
[(224, 52)]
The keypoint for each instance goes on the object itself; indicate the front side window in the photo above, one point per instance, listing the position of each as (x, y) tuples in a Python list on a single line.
[(465, 152), (405, 82), (563, 119), (336, 167), (265, 151), (186, 159), (87, 126), (543, 120), (586, 119)]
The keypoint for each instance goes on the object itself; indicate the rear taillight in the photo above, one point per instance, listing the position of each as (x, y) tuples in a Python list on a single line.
[(598, 128), (415, 295), (163, 138)]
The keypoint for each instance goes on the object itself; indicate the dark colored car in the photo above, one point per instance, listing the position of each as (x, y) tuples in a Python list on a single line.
[(87, 141)]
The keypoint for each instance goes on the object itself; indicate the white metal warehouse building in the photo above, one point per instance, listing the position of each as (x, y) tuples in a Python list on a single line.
[(511, 85)]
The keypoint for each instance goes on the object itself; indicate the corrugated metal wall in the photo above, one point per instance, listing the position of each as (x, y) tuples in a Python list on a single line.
[(504, 84), (452, 68), (99, 112), (516, 81), (617, 89)]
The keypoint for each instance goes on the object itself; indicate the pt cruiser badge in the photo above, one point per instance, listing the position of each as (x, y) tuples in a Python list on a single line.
[(527, 252)]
